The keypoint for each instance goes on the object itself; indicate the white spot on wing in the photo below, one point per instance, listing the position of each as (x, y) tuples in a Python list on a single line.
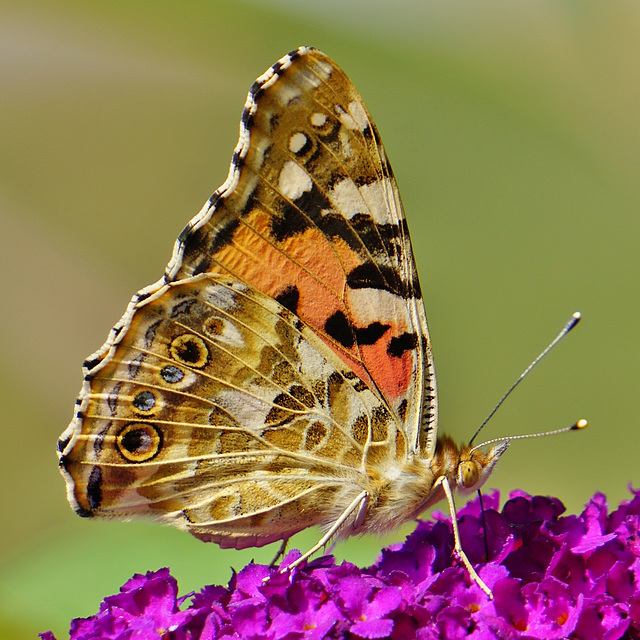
[(312, 363), (287, 93), (358, 114), (293, 181), (371, 199), (318, 119), (346, 119), (376, 195), (219, 297), (355, 118), (229, 336), (246, 409), (323, 69), (347, 199), (384, 307), (297, 141)]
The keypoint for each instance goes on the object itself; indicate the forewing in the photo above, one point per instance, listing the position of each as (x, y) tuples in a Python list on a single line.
[(218, 411), (310, 215)]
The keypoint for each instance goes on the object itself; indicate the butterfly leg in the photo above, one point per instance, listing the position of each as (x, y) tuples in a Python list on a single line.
[(457, 546), (360, 504), (280, 553)]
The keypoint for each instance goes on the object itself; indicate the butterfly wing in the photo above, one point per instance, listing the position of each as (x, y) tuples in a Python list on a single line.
[(284, 356), (311, 216), (219, 412)]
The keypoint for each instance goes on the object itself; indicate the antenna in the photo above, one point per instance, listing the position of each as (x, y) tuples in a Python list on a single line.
[(572, 322), (581, 424)]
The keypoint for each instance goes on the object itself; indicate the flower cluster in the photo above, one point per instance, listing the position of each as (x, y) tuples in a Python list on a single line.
[(552, 576)]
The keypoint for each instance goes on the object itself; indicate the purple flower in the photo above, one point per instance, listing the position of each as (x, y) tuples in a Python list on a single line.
[(552, 576)]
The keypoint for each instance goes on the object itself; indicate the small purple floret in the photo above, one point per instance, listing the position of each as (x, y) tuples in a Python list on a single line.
[(552, 576)]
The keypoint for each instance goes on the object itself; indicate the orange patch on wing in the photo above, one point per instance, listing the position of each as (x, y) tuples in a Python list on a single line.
[(392, 375), (318, 268)]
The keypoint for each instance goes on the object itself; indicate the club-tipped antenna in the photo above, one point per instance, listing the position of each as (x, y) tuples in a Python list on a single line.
[(571, 323), (576, 426)]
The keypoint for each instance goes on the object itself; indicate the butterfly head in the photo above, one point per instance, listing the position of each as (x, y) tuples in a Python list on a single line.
[(475, 466)]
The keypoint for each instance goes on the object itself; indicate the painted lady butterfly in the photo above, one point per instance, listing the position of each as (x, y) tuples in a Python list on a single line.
[(279, 375)]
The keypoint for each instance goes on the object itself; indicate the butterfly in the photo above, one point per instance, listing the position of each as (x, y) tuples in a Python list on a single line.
[(279, 375)]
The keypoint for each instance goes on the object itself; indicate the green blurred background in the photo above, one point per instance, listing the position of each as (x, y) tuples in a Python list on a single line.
[(514, 132)]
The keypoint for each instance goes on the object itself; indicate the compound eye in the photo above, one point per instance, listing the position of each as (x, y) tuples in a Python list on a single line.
[(467, 474)]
